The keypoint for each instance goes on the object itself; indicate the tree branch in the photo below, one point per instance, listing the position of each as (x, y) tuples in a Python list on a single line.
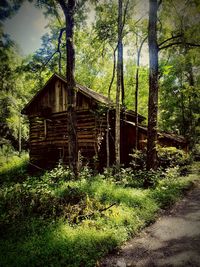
[(58, 49), (193, 45), (44, 65), (53, 54), (169, 39), (56, 13), (63, 6), (125, 12), (141, 45), (178, 43), (113, 74)]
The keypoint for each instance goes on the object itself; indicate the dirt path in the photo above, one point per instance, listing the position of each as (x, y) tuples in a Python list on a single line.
[(174, 240)]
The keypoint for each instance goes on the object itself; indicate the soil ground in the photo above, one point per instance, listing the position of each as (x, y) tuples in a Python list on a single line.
[(173, 240)]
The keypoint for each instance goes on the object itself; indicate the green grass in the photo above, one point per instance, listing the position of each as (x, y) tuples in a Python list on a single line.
[(14, 170), (45, 222)]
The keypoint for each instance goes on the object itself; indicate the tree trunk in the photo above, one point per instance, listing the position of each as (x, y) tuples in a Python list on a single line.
[(108, 111), (122, 77), (190, 104), (119, 80), (20, 135), (183, 129), (136, 103), (153, 87), (137, 90), (68, 10)]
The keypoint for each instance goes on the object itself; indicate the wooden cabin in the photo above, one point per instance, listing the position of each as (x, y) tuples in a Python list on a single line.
[(48, 119), (164, 139)]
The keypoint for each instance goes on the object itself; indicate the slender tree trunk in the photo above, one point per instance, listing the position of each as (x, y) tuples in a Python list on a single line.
[(153, 87), (137, 91), (108, 111), (190, 104), (68, 10), (182, 106), (20, 135), (108, 135), (136, 100), (122, 76), (119, 79), (183, 129)]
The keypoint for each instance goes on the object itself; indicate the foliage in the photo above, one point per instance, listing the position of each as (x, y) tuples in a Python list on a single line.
[(170, 188), (196, 152), (167, 157), (138, 161), (13, 93), (60, 173), (171, 157), (6, 151), (14, 168), (50, 220), (135, 178), (179, 105)]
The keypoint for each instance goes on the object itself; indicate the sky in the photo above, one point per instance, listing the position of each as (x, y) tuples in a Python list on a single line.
[(27, 28), (28, 25)]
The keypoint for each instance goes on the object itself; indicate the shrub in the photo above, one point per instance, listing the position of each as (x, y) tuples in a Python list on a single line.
[(86, 173), (167, 157), (64, 173), (196, 152), (139, 177), (138, 159), (171, 156), (60, 173)]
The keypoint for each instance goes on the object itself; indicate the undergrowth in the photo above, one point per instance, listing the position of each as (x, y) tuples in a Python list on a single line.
[(53, 220), (14, 169)]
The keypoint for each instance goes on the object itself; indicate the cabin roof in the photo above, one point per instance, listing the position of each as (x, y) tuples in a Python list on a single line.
[(100, 98), (177, 138), (89, 92), (83, 89), (162, 134)]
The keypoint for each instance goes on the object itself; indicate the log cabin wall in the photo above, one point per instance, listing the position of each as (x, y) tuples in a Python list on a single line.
[(49, 139), (52, 100), (48, 120)]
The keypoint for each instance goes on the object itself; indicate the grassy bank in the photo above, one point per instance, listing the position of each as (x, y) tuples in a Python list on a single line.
[(54, 221)]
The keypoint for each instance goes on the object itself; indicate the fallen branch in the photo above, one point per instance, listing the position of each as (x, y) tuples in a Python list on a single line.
[(108, 207), (82, 217), (39, 168)]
